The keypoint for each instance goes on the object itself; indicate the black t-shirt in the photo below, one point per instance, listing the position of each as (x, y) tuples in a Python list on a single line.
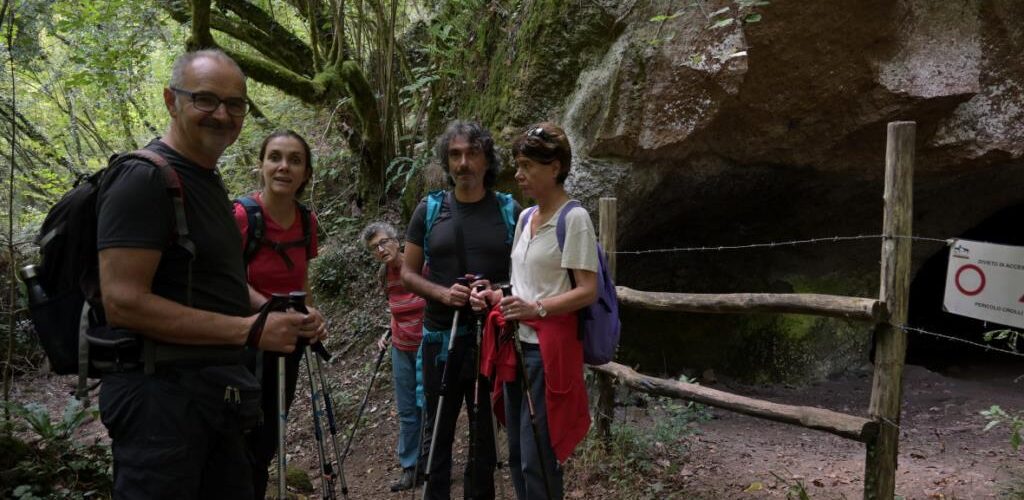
[(487, 252), (135, 211)]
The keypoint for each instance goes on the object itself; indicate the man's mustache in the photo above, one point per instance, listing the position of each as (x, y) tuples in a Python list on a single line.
[(211, 122)]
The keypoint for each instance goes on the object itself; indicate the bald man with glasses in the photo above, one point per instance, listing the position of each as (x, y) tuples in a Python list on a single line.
[(177, 416)]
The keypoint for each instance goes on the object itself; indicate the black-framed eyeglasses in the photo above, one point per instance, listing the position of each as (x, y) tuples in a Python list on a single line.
[(381, 244), (208, 102)]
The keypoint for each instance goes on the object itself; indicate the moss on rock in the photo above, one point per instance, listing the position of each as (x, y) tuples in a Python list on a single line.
[(522, 58)]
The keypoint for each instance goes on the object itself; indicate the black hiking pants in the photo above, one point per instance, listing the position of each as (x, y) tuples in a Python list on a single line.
[(478, 476), (180, 433)]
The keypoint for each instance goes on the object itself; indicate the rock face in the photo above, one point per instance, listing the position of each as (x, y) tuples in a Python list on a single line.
[(772, 128)]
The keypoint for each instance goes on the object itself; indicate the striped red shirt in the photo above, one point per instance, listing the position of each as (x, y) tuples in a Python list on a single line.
[(406, 313)]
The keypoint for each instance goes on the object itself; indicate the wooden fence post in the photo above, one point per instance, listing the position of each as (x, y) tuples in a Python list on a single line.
[(605, 389), (890, 339)]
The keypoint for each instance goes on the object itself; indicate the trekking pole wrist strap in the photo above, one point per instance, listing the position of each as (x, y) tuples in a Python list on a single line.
[(256, 330)]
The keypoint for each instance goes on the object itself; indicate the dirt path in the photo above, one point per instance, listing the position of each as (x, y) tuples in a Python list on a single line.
[(943, 451), (944, 454)]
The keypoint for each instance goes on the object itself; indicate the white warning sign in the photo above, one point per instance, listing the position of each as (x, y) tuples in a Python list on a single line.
[(986, 281)]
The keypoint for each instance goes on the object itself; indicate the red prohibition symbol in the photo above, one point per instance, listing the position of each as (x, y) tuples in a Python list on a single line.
[(981, 285)]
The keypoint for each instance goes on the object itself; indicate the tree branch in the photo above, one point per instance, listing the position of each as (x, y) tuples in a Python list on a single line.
[(201, 37), (309, 90), (317, 12), (293, 54), (266, 35)]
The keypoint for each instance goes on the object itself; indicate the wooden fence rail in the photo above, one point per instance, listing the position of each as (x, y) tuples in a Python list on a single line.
[(881, 432), (853, 308), (848, 426)]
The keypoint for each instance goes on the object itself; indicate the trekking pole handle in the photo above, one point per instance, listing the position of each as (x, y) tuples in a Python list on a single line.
[(297, 301)]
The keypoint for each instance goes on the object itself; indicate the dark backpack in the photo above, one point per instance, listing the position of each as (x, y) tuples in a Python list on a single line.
[(256, 235), (599, 324), (69, 268)]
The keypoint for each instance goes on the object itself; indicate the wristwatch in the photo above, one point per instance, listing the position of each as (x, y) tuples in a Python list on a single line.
[(543, 313)]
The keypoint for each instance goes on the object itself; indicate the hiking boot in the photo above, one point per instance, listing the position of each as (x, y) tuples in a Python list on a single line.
[(405, 481)]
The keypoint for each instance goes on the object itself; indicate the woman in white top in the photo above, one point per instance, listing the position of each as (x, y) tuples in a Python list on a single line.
[(545, 303)]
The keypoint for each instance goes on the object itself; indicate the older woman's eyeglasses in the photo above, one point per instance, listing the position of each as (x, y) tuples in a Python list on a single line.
[(381, 244)]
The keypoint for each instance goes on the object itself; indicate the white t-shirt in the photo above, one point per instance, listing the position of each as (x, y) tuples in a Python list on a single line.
[(539, 268)]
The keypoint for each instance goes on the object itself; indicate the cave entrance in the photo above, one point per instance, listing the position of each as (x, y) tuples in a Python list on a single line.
[(926, 294)]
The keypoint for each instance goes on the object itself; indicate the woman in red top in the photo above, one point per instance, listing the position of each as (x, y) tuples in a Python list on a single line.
[(285, 168), (406, 333)]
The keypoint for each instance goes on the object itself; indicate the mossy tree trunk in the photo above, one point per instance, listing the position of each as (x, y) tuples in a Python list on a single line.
[(318, 72)]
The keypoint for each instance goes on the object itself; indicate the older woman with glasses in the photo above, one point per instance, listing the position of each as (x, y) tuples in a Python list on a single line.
[(550, 283), (406, 332)]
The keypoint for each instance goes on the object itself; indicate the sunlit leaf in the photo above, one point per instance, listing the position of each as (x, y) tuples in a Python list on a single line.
[(723, 23)]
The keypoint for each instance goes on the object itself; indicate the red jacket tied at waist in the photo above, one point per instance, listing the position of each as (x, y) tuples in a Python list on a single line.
[(565, 394)]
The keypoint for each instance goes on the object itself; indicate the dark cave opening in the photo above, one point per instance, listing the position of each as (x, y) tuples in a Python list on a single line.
[(926, 311)]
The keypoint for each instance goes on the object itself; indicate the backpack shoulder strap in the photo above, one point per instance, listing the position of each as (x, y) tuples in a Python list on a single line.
[(560, 233), (527, 214), (306, 217), (174, 190), (256, 227), (507, 205), (434, 201), (560, 226), (177, 194)]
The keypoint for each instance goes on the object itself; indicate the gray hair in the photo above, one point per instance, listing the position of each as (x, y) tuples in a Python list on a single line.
[(185, 60), (377, 227)]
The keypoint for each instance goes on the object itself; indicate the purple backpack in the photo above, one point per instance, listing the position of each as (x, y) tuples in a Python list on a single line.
[(599, 322)]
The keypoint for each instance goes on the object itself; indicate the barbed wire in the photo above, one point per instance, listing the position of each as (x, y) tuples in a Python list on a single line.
[(773, 244), (987, 347)]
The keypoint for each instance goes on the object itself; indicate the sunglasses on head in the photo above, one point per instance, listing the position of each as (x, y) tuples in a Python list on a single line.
[(539, 133)]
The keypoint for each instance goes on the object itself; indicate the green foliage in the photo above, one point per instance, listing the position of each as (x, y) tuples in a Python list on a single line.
[(995, 416), (724, 17), (54, 465), (401, 171), (645, 462), (511, 63), (663, 18), (1010, 336), (38, 419), (795, 489)]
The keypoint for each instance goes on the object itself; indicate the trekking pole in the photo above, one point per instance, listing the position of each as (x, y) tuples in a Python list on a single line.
[(479, 356), (298, 301), (326, 471), (332, 425), (366, 398), (282, 425), (440, 397), (506, 291), (279, 302)]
